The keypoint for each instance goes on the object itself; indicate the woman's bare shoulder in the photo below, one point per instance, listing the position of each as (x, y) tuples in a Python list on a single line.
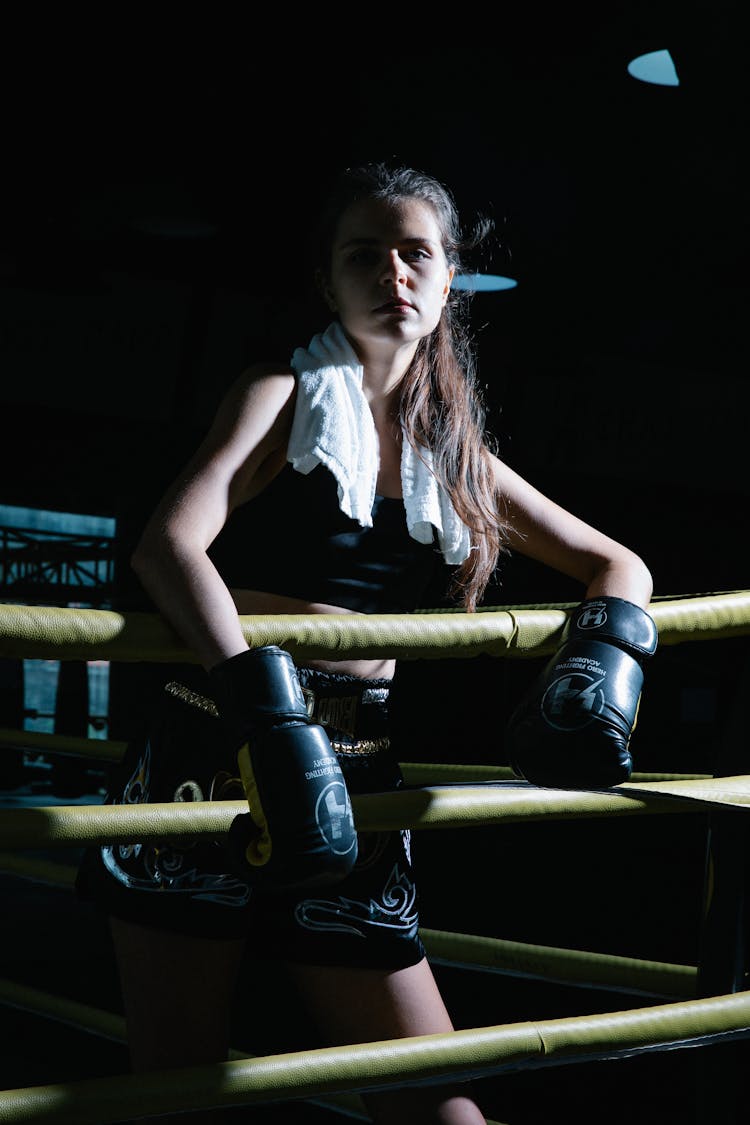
[(266, 377), (266, 368), (263, 390)]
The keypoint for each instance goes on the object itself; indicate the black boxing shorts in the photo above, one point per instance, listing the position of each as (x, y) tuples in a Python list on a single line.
[(187, 885)]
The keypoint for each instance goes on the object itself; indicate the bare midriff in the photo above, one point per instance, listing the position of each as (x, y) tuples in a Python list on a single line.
[(255, 602)]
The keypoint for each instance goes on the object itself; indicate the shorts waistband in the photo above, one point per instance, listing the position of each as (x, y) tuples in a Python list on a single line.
[(335, 701), (348, 707), (193, 698)]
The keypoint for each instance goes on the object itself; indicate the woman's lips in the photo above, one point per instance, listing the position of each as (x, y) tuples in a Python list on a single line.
[(395, 306)]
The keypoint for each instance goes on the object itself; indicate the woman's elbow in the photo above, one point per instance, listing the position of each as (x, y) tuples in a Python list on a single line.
[(166, 553), (643, 581), (635, 576), (621, 573), (150, 550), (648, 579)]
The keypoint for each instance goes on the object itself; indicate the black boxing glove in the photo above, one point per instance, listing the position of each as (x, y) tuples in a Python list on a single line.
[(572, 729), (299, 832)]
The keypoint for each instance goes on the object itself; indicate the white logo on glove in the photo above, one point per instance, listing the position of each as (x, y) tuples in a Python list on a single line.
[(333, 815), (572, 702), (593, 617)]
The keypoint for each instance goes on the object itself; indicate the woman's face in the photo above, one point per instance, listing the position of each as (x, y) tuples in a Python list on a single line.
[(389, 278)]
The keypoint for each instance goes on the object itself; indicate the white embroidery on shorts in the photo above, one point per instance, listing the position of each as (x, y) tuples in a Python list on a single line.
[(164, 865), (395, 910)]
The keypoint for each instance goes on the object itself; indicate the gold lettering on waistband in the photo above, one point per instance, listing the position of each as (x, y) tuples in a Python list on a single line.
[(362, 746), (337, 712), (202, 702)]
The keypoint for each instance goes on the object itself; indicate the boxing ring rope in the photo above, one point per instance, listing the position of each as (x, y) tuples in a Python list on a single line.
[(97, 749), (476, 1053), (635, 976), (54, 826), (429, 807), (109, 1025), (415, 773), (51, 632)]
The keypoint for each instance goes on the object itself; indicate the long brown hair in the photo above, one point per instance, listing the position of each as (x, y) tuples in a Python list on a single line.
[(441, 404)]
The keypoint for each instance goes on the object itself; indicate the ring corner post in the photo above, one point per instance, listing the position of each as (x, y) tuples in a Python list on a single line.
[(724, 931)]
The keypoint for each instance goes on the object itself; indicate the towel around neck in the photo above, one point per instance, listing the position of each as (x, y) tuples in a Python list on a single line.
[(333, 426)]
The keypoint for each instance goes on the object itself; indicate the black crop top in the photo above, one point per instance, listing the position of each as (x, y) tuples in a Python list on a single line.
[(293, 539)]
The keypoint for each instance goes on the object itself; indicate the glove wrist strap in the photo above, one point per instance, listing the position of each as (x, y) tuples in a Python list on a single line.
[(261, 684), (615, 621)]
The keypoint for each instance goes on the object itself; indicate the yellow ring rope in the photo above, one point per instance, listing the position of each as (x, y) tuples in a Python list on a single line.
[(414, 773), (476, 1052), (55, 826), (103, 750), (27, 632), (477, 951), (84, 634), (109, 1025), (462, 806)]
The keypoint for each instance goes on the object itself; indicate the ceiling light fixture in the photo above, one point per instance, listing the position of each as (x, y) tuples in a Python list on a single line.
[(482, 282), (656, 67)]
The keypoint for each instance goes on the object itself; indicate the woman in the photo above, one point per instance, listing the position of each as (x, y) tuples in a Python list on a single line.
[(353, 474)]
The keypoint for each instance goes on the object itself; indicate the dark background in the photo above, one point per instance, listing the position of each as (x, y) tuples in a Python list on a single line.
[(156, 195), (153, 234)]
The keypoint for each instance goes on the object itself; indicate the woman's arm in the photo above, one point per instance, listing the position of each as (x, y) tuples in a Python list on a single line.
[(299, 831), (573, 727), (549, 534), (250, 430)]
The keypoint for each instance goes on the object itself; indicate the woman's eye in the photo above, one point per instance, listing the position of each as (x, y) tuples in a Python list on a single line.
[(366, 256), (361, 257)]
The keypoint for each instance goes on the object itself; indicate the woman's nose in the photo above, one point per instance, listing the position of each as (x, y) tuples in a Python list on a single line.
[(393, 270)]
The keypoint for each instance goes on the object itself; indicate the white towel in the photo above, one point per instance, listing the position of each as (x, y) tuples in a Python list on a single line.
[(333, 426)]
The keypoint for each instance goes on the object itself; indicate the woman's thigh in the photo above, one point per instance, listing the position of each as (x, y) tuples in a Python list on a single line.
[(358, 1005), (177, 994)]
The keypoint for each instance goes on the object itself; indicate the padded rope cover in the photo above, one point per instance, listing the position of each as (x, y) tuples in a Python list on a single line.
[(608, 971), (473, 951), (63, 826), (108, 1025), (104, 750), (457, 806), (85, 634), (478, 952), (415, 773), (465, 1054)]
